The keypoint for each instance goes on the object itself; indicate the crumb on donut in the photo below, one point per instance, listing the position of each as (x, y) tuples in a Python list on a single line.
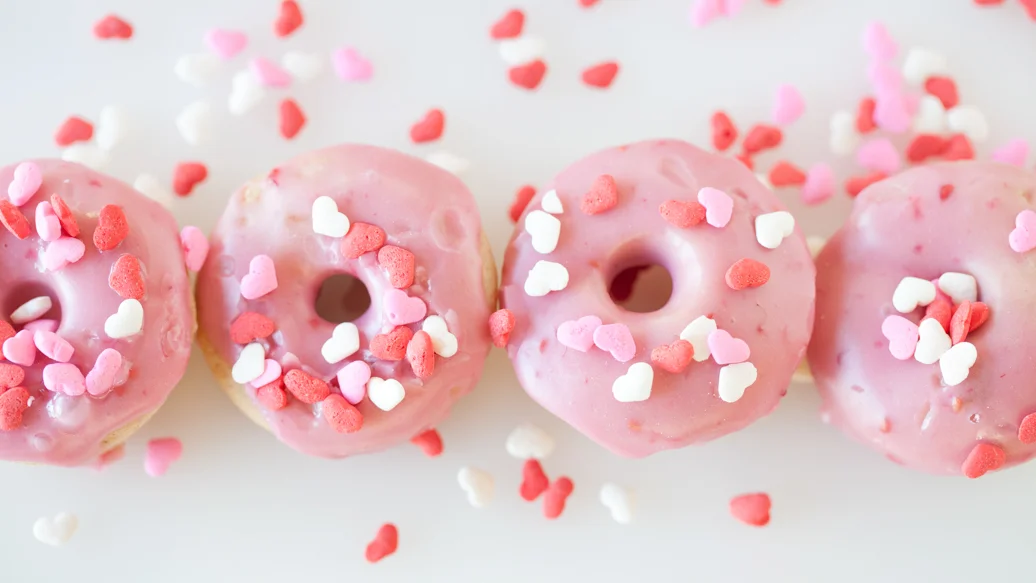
[(399, 264), (127, 277), (161, 453), (384, 544), (865, 115), (762, 137), (602, 196), (751, 509), (420, 353)]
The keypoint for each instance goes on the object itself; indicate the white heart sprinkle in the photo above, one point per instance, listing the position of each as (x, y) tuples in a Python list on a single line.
[(955, 364), (112, 126), (619, 501), (930, 117), (528, 441), (55, 531), (150, 187), (697, 333), (449, 162), (920, 64), (911, 293), (197, 69), (772, 228), (734, 379), (194, 122), (970, 121), (933, 341), (126, 322), (477, 484), (88, 155), (959, 286), (344, 342), (327, 220), (635, 385), (545, 277), (443, 342), (303, 66), (545, 230), (521, 50), (250, 365), (385, 393), (815, 243), (245, 93), (32, 310), (844, 138), (551, 203)]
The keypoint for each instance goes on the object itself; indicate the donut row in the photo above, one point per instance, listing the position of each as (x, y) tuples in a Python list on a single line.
[(653, 296)]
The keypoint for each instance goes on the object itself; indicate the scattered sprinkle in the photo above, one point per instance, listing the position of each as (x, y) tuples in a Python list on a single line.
[(1027, 429), (187, 175), (546, 277), (386, 394), (772, 228), (429, 128), (724, 133), (529, 75), (635, 385), (343, 343), (601, 75), (429, 441), (501, 324), (855, 185), (785, 173), (477, 484), (161, 453), (509, 26), (194, 121), (55, 531), (304, 386), (226, 43), (113, 27), (289, 19), (534, 480), (682, 214), (528, 441), (398, 263), (673, 357), (984, 457), (127, 277), (747, 273), (327, 219), (384, 544), (291, 118), (619, 501), (719, 207), (420, 353), (72, 130), (751, 509), (555, 496), (392, 345), (251, 326)]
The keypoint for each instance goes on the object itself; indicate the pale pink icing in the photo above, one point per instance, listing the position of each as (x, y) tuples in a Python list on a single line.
[(900, 227), (775, 319), (63, 430), (422, 209)]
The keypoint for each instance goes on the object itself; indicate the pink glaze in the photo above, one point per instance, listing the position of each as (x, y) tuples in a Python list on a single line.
[(422, 209), (684, 408), (66, 430), (900, 227)]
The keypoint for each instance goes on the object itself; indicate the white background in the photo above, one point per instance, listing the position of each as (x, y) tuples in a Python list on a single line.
[(241, 507)]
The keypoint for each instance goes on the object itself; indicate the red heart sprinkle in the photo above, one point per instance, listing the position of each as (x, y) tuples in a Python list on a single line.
[(305, 387), (429, 128), (429, 441), (13, 402), (751, 509), (925, 146), (602, 196), (682, 214), (384, 544), (65, 216), (746, 273), (724, 133), (392, 345), (72, 130), (289, 19), (534, 480), (945, 191), (555, 496), (979, 315), (943, 88), (984, 457), (528, 75), (341, 415), (362, 238), (865, 115), (399, 264), (1030, 8), (187, 175), (786, 174), (854, 186), (501, 324), (420, 354), (11, 375), (521, 200), (509, 26), (1027, 429), (291, 118), (940, 310), (958, 147), (13, 219), (960, 324), (272, 396), (112, 26), (762, 137), (601, 75), (127, 277), (673, 357), (249, 327), (6, 331), (112, 228)]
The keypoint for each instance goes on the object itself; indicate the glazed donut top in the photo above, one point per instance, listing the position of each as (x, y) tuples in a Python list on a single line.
[(113, 335), (626, 379), (410, 232), (959, 218)]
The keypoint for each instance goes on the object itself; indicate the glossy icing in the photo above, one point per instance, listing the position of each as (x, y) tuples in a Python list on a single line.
[(66, 430), (422, 209), (775, 319), (901, 227)]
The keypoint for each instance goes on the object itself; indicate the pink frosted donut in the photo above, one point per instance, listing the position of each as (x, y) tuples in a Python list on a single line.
[(709, 362), (97, 320), (904, 385), (410, 233)]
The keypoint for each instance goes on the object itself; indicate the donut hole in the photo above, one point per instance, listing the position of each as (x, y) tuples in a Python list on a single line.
[(342, 298), (24, 292), (641, 288)]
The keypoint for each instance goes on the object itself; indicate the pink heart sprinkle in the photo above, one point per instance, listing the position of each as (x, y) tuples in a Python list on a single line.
[(879, 155), (819, 185), (1014, 152), (261, 278), (732, 7), (705, 11), (616, 339), (20, 348), (195, 247), (1022, 238), (789, 105), (878, 43), (718, 206), (352, 381), (27, 180), (53, 346), (64, 378), (402, 309), (60, 253), (268, 74), (44, 325), (103, 375), (726, 349), (226, 43), (350, 65), (892, 113), (902, 335), (271, 372), (579, 334), (47, 223), (161, 453), (886, 79)]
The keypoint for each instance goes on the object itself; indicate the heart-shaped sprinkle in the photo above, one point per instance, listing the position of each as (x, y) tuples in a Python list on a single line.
[(785, 173), (291, 118), (673, 357), (959, 286), (960, 324), (104, 374), (58, 530), (420, 353), (429, 441), (341, 415), (62, 252), (350, 65), (268, 73), (788, 106), (226, 43), (53, 346), (383, 545), (635, 385), (958, 147), (545, 230), (352, 381), (772, 228), (891, 113), (249, 327), (14, 220), (751, 509), (718, 206), (969, 121), (47, 224), (501, 324), (521, 50), (819, 185), (20, 348), (925, 146), (187, 175), (955, 364), (1014, 152), (726, 349), (747, 273), (697, 333), (878, 43), (344, 342), (399, 264), (761, 137), (195, 247), (251, 363), (303, 66), (362, 238), (33, 309), (579, 334), (682, 214), (113, 27), (245, 93), (528, 441), (13, 402), (555, 496), (528, 76), (6, 331), (64, 378), (327, 220), (289, 19), (984, 457), (509, 26), (551, 203), (68, 220), (534, 480), (445, 343), (11, 375), (902, 335), (306, 387), (521, 200), (392, 345), (272, 397), (601, 75), (429, 128), (724, 133), (932, 342), (261, 278), (879, 155), (271, 374), (618, 501), (911, 293), (1027, 429), (400, 308), (944, 89), (127, 277), (602, 196), (545, 277), (979, 315), (26, 181), (197, 69), (127, 321), (734, 379), (161, 453), (477, 484), (112, 228), (386, 394), (617, 340)]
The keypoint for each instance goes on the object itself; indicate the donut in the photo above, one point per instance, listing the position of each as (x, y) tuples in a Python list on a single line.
[(409, 234), (716, 356), (97, 316), (924, 299)]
